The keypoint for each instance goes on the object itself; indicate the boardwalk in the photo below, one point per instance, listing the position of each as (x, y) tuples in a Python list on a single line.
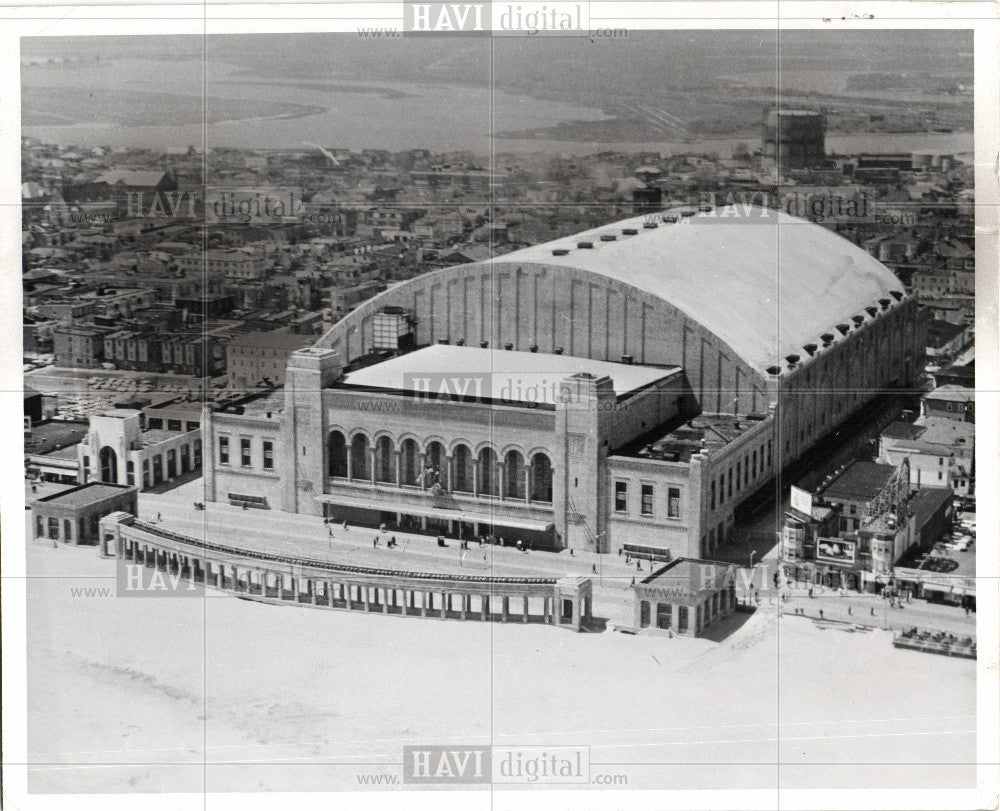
[(264, 576)]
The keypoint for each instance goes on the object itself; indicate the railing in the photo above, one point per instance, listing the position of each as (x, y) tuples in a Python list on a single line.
[(205, 546)]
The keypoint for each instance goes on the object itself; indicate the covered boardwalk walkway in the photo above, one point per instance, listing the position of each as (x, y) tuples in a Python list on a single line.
[(280, 578)]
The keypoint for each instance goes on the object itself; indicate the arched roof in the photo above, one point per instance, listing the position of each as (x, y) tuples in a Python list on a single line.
[(763, 281)]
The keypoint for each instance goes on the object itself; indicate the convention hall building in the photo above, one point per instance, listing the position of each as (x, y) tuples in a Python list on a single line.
[(628, 386)]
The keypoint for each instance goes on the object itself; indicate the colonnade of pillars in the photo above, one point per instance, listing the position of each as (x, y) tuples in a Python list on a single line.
[(497, 485), (405, 599)]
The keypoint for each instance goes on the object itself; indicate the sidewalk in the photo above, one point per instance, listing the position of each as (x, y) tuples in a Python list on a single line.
[(871, 610)]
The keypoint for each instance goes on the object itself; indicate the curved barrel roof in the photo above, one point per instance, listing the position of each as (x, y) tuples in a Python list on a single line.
[(763, 281)]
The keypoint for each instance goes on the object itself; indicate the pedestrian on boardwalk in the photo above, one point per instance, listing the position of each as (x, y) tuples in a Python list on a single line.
[(821, 613)]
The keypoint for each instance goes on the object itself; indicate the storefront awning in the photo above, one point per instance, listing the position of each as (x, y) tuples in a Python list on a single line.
[(439, 513)]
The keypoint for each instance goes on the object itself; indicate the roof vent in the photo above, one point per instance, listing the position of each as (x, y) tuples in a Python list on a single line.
[(896, 295), (560, 251), (628, 359), (585, 244), (774, 370), (885, 303), (811, 349), (630, 232), (650, 225), (607, 237), (844, 328)]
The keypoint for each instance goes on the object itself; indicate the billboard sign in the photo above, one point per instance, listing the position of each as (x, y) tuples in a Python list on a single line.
[(836, 550), (802, 500)]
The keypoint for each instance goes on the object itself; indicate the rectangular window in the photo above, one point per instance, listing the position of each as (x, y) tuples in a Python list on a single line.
[(713, 494), (647, 499), (663, 615), (173, 425), (268, 455), (245, 451), (739, 476), (673, 502), (223, 450), (39, 527), (54, 528), (621, 497), (746, 470), (682, 618), (722, 488), (729, 490), (754, 464), (67, 529), (644, 614)]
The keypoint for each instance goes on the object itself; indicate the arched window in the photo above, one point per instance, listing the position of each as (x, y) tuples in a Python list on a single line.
[(513, 471), (109, 465), (385, 464), (488, 484), (409, 462), (360, 469), (541, 478), (462, 460), (336, 455), (435, 464)]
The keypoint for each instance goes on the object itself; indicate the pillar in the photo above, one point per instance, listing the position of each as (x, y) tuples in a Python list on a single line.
[(504, 608), (423, 603), (486, 606), (385, 601), (445, 600), (371, 455), (527, 483), (465, 605), (350, 461), (423, 470), (525, 607)]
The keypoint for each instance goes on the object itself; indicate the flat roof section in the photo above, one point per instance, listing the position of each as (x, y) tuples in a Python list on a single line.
[(497, 374), (85, 494), (860, 481)]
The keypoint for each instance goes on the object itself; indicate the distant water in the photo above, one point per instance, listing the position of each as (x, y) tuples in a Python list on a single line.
[(79, 108)]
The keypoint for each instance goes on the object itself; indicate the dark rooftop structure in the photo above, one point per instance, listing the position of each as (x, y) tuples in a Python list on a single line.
[(85, 494), (859, 481), (903, 430), (941, 332), (679, 439)]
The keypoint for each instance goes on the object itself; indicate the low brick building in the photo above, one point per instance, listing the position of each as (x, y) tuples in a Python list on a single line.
[(73, 516)]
